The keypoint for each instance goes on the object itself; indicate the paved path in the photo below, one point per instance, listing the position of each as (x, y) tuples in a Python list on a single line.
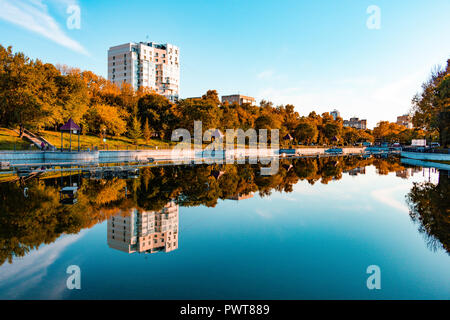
[(35, 139)]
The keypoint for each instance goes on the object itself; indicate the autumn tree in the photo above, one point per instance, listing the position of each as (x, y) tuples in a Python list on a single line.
[(146, 132), (430, 105), (135, 131), (306, 132), (159, 112), (105, 119)]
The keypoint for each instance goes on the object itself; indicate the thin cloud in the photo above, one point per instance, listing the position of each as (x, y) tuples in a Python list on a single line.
[(29, 271), (266, 74), (33, 15), (387, 196)]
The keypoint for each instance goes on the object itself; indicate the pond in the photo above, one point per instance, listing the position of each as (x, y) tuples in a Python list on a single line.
[(310, 231)]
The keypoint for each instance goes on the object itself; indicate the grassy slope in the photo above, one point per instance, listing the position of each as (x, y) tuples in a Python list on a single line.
[(8, 138), (87, 141)]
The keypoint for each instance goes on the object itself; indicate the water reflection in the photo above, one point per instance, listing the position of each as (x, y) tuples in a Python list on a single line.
[(429, 206), (148, 204), (145, 231)]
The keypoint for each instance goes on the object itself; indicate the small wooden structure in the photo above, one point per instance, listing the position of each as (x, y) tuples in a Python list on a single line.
[(70, 127), (67, 195)]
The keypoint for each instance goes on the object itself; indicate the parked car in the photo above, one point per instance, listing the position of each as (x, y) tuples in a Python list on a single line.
[(435, 145)]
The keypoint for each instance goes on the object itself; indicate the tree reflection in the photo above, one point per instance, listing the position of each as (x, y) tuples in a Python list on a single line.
[(430, 207), (28, 222)]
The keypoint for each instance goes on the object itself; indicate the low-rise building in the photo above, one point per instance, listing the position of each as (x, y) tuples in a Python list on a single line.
[(405, 120), (356, 123), (239, 99)]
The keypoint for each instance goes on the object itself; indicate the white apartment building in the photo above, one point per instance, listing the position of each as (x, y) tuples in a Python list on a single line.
[(146, 64)]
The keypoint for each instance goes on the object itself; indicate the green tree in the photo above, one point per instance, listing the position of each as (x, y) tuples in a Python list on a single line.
[(428, 105), (160, 113), (306, 133)]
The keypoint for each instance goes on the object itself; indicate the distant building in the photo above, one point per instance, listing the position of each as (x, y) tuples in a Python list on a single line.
[(147, 231), (335, 114), (405, 120), (356, 123), (239, 197), (146, 64), (356, 171), (239, 99)]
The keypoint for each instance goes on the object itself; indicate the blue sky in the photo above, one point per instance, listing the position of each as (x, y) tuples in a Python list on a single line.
[(317, 55)]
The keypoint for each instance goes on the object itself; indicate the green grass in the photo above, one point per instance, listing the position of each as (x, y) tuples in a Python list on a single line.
[(9, 139), (112, 143)]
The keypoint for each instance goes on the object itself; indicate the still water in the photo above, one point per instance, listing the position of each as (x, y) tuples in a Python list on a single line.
[(226, 232)]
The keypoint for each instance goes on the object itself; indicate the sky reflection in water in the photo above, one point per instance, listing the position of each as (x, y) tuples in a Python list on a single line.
[(313, 233)]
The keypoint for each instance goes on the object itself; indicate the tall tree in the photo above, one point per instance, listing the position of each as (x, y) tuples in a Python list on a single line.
[(146, 132), (434, 99), (135, 131)]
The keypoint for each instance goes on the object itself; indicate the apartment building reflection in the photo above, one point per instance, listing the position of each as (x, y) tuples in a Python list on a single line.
[(146, 231), (356, 171), (407, 172)]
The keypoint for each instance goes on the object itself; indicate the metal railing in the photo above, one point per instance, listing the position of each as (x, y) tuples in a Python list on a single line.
[(426, 150)]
